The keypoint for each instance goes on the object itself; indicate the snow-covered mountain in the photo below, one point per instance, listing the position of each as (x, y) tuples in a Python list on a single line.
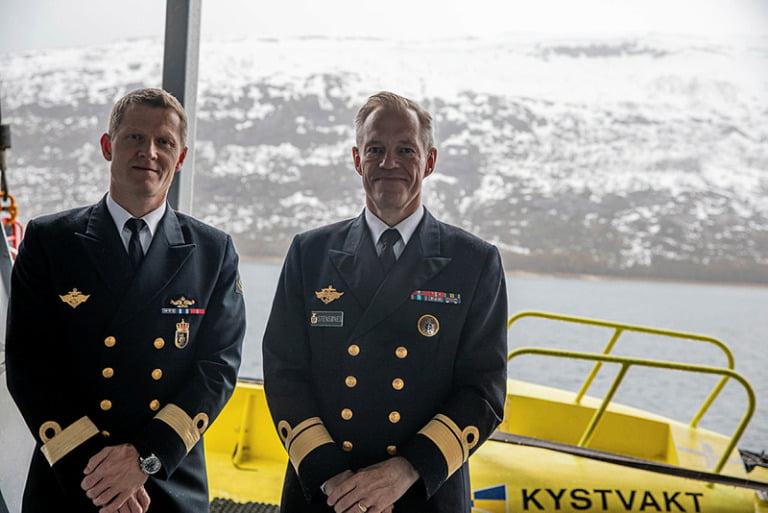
[(641, 156)]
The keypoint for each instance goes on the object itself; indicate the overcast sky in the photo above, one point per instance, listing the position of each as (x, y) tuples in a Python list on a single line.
[(35, 24)]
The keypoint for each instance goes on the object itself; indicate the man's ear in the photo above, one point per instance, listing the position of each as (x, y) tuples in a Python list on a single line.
[(356, 160), (106, 147), (431, 162), (181, 159)]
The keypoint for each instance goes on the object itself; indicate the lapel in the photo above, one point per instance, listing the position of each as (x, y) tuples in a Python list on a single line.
[(103, 245), (357, 262), (420, 261), (166, 255)]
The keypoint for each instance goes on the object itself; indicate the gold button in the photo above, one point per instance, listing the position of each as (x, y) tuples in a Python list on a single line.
[(346, 445), (105, 434), (398, 384), (351, 381), (346, 414), (401, 352), (108, 372), (157, 374), (106, 404), (154, 405), (391, 450), (353, 350), (394, 417), (159, 343), (110, 341)]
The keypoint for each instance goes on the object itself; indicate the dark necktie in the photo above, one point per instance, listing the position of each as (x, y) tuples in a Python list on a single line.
[(135, 253), (387, 257)]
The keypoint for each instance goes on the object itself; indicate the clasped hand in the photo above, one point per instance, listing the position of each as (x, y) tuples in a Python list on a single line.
[(114, 481), (372, 489)]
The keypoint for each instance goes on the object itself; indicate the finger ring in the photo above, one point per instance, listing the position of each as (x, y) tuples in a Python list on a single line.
[(361, 507)]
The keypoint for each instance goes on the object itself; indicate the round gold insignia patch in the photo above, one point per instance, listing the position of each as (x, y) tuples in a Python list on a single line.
[(428, 325)]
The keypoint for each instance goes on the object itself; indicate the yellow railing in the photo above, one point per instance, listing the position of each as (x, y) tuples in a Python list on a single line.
[(619, 329), (626, 362)]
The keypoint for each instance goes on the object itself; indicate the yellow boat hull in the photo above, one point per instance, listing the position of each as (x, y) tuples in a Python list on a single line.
[(246, 460)]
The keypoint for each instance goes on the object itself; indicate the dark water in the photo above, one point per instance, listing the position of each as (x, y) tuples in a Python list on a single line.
[(736, 315)]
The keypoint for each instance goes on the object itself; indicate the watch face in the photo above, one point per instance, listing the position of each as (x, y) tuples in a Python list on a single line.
[(150, 465)]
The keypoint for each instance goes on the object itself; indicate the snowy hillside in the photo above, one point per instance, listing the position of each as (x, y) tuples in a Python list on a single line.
[(634, 157)]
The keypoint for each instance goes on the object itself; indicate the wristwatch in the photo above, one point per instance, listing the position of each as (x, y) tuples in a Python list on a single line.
[(150, 465)]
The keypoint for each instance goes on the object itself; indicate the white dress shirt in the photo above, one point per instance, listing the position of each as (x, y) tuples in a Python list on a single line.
[(406, 227), (151, 220)]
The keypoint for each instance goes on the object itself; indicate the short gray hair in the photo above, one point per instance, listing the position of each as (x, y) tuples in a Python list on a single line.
[(154, 98), (397, 103)]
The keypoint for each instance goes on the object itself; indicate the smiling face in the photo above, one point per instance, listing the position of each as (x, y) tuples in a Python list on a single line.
[(145, 150), (393, 162)]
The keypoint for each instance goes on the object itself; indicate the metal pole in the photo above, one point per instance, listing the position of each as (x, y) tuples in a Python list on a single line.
[(598, 366), (586, 437), (6, 262), (180, 67), (5, 143)]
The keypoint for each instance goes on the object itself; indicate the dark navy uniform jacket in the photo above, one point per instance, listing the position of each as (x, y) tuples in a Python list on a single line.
[(359, 367), (93, 359)]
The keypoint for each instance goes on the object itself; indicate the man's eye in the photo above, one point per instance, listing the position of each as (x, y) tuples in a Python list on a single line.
[(406, 150), (135, 137), (165, 142), (376, 149)]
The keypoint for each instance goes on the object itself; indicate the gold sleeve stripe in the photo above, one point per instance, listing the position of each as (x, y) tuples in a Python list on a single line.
[(299, 441), (188, 430), (65, 441), (454, 443)]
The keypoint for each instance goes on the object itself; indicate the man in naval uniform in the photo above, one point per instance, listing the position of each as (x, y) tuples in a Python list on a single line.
[(124, 335), (385, 351)]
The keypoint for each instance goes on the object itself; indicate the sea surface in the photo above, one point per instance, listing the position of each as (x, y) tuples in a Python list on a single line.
[(736, 315)]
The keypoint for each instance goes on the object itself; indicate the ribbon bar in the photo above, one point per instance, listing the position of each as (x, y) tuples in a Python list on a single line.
[(436, 297), (186, 311)]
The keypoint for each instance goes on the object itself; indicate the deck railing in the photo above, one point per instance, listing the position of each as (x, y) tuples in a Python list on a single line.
[(627, 362)]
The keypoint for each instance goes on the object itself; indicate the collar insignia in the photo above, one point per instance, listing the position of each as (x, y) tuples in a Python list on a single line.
[(182, 302), (328, 294), (74, 298)]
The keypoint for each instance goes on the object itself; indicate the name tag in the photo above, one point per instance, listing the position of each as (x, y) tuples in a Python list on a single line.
[(326, 319)]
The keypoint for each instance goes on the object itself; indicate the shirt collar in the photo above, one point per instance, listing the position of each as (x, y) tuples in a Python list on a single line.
[(406, 227), (121, 215)]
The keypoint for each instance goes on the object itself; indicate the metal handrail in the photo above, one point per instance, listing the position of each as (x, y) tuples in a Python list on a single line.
[(626, 362), (619, 329)]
